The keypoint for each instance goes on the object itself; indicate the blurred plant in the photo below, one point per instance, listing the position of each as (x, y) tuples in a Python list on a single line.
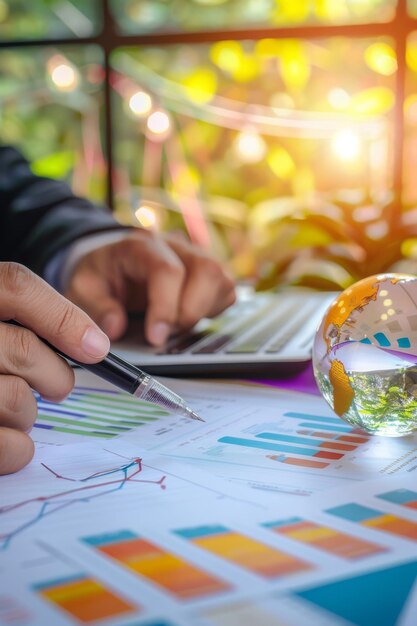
[(329, 244)]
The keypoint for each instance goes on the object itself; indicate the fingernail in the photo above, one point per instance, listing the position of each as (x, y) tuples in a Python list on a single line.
[(111, 324), (159, 332), (95, 343)]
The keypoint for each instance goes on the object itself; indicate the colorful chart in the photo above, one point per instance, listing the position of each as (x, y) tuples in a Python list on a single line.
[(402, 497), (377, 597), (317, 442), (169, 571), (96, 413), (246, 552), (84, 598), (377, 520), (324, 538)]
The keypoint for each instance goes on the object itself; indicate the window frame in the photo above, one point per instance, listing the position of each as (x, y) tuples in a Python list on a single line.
[(109, 38)]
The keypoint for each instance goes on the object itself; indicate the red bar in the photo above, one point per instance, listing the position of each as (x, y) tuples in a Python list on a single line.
[(329, 455), (334, 445), (353, 439)]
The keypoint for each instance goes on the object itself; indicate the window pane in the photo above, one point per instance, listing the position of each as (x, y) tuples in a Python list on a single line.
[(43, 19), (140, 16), (216, 136), (50, 107)]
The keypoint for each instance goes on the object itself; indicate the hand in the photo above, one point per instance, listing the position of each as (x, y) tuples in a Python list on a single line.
[(175, 282), (26, 362)]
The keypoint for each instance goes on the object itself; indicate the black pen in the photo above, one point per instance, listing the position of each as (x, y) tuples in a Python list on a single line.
[(130, 378)]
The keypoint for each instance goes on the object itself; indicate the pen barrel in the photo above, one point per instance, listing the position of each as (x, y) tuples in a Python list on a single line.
[(118, 372)]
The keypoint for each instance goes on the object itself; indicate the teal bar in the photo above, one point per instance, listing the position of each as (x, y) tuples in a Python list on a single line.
[(382, 340), (332, 429), (353, 512), (284, 522), (110, 538), (201, 531), (276, 447), (315, 418), (399, 496)]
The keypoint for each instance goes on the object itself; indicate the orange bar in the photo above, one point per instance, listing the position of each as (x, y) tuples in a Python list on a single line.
[(174, 574), (85, 599), (305, 462), (394, 525), (248, 553), (327, 539)]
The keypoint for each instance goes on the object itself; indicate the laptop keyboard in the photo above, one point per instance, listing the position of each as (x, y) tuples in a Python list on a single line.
[(247, 329)]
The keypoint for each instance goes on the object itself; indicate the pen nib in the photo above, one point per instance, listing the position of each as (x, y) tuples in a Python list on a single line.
[(193, 415)]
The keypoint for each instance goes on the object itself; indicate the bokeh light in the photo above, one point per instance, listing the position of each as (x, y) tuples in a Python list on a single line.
[(159, 124), (146, 216), (346, 145), (250, 146), (140, 103)]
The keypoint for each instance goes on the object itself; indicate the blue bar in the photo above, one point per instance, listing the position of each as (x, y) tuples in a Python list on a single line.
[(365, 340), (46, 426), (57, 582), (316, 418), (290, 439), (60, 411), (109, 538), (404, 342), (399, 496), (263, 445), (354, 512), (332, 429), (201, 531), (283, 522), (382, 340)]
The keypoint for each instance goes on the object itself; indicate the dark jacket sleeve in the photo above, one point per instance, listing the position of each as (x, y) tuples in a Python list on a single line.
[(39, 216)]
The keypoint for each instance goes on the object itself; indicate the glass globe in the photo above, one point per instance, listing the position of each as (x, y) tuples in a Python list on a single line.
[(365, 355)]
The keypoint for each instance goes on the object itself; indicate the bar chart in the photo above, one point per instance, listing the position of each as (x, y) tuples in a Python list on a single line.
[(316, 441), (244, 551), (324, 538), (93, 412), (402, 497), (375, 519), (172, 573), (84, 598)]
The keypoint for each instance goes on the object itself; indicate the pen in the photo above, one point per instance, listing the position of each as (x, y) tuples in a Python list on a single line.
[(130, 378)]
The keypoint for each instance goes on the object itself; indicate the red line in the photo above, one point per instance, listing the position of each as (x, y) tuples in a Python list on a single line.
[(137, 462)]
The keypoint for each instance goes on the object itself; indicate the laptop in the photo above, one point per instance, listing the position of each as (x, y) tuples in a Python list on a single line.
[(262, 335)]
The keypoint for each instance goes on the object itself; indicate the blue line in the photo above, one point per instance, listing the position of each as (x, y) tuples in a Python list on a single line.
[(249, 443), (61, 411), (46, 508)]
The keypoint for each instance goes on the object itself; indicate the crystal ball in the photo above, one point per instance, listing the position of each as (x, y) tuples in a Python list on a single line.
[(365, 355)]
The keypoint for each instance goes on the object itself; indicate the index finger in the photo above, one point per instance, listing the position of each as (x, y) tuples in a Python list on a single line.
[(152, 261), (28, 299)]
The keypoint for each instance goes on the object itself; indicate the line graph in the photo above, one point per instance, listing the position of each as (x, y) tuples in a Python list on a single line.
[(54, 502)]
